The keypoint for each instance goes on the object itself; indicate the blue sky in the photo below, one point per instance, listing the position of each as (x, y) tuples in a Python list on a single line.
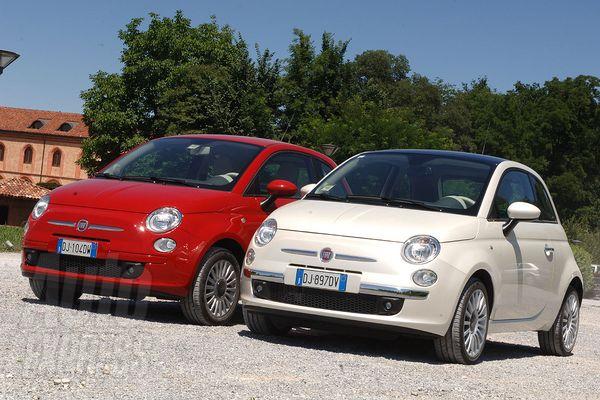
[(62, 42)]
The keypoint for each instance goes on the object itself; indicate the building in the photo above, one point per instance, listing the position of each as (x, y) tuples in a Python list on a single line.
[(36, 147)]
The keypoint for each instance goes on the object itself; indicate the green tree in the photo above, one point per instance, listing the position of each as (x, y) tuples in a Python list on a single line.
[(177, 78)]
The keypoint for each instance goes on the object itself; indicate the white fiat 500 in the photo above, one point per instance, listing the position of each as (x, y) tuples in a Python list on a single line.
[(446, 244)]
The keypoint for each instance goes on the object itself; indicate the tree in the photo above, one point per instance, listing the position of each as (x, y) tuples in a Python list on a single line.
[(177, 78)]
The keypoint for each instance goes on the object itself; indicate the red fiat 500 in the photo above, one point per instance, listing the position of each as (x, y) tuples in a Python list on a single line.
[(170, 219)]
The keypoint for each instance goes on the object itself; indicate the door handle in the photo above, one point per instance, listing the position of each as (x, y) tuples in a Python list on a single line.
[(548, 250)]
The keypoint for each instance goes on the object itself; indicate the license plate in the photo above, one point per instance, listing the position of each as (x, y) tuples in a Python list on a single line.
[(77, 248), (321, 280)]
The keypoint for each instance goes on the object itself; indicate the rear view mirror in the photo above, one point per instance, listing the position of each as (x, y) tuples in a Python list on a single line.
[(520, 211), (278, 188), (306, 189)]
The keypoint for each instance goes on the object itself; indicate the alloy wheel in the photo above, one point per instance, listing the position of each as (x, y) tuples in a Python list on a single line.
[(475, 324), (220, 289), (570, 321)]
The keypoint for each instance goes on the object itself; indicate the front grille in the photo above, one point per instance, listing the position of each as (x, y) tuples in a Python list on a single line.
[(325, 299), (90, 266)]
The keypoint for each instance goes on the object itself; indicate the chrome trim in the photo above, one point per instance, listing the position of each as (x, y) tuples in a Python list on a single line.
[(267, 275), (392, 291), (94, 227), (347, 257), (300, 252), (106, 228), (62, 223)]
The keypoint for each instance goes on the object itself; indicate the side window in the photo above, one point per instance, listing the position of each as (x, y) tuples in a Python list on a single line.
[(514, 186), (291, 167), (542, 201), (322, 169)]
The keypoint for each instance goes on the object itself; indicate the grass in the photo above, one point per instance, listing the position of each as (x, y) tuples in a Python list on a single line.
[(12, 234)]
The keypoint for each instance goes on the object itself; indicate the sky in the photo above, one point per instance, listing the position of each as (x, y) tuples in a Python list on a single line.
[(62, 42)]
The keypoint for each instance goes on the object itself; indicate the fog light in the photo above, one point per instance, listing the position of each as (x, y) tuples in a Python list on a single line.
[(250, 256), (165, 245), (31, 257), (425, 277)]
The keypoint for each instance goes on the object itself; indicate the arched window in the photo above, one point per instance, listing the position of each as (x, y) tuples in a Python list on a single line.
[(28, 155), (56, 157), (1, 152)]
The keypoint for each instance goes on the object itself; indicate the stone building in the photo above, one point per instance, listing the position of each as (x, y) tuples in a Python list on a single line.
[(37, 147)]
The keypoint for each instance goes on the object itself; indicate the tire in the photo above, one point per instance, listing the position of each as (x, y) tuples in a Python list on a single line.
[(556, 343), (263, 324), (219, 271), (55, 292), (452, 347), (38, 287)]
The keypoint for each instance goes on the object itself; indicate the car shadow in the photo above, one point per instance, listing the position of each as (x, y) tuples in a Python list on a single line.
[(165, 312), (402, 348)]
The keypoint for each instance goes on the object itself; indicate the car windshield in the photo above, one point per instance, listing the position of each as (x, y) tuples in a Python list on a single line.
[(442, 183), (197, 162)]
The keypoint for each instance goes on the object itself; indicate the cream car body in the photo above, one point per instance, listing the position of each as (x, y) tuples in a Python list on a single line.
[(526, 272)]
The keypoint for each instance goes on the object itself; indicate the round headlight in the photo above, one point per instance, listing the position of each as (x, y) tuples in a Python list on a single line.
[(165, 245), (266, 232), (163, 220), (40, 207), (421, 249)]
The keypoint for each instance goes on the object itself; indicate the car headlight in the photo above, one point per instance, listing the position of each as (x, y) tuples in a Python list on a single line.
[(163, 220), (40, 207), (421, 249), (266, 232)]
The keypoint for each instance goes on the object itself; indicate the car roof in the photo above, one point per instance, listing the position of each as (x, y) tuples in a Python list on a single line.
[(262, 142), (481, 158)]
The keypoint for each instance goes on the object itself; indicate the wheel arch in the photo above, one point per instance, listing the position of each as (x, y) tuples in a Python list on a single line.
[(486, 278), (578, 285)]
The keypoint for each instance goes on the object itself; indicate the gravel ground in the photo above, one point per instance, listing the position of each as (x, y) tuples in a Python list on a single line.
[(114, 348)]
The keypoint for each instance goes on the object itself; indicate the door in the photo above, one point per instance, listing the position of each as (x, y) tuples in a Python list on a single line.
[(523, 256), (290, 166)]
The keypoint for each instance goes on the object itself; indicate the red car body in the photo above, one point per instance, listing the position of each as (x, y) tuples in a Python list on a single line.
[(116, 212)]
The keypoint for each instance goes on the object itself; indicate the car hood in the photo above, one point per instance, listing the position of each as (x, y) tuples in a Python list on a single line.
[(373, 222), (139, 197)]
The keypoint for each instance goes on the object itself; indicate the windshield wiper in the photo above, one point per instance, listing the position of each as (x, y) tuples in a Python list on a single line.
[(406, 203), (107, 175), (326, 196), (156, 179), (175, 181), (388, 201)]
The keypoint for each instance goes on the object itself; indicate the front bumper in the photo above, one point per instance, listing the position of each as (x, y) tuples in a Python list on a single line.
[(123, 243), (379, 268)]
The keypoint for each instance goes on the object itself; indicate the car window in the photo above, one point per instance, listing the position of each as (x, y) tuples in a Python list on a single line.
[(426, 181), (542, 201), (292, 167), (214, 164), (514, 186), (322, 168)]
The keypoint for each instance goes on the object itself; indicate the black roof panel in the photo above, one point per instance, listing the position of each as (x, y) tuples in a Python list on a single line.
[(481, 158)]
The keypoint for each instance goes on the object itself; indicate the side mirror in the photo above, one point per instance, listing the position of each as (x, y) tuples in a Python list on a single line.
[(306, 189), (519, 211), (278, 188)]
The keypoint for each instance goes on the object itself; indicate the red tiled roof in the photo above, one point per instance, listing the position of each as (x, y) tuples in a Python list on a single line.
[(21, 188), (20, 120)]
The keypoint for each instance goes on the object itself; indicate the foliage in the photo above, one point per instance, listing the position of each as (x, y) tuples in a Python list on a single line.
[(578, 231), (12, 234), (178, 78), (584, 262)]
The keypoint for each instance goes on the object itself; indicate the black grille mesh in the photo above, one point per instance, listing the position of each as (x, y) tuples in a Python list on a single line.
[(317, 298), (85, 265)]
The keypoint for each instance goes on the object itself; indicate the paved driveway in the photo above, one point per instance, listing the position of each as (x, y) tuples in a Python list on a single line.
[(116, 348)]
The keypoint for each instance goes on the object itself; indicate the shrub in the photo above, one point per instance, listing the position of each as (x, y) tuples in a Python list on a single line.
[(584, 262), (12, 234)]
